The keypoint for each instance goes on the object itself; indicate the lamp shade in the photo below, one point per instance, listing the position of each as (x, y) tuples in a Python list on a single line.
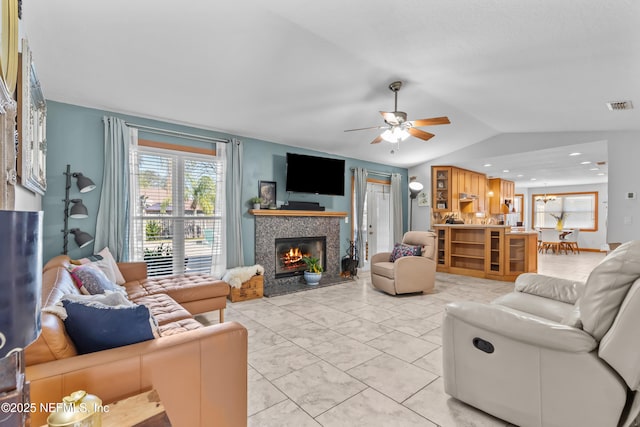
[(84, 184), (415, 188), (78, 210), (21, 279), (82, 238)]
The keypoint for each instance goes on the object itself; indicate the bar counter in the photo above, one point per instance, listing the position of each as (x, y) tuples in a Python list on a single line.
[(489, 251)]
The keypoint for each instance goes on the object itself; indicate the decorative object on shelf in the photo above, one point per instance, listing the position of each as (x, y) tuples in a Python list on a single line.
[(414, 189), (313, 273), (32, 127), (256, 202), (267, 192), (78, 210), (21, 283)]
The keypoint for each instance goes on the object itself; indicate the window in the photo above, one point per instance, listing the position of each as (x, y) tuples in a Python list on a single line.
[(177, 221), (579, 210)]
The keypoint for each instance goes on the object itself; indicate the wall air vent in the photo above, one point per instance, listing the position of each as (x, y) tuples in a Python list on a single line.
[(620, 105)]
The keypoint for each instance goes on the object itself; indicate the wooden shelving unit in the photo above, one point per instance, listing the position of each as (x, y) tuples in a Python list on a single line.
[(485, 251)]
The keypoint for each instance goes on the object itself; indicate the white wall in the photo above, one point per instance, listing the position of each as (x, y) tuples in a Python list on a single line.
[(624, 175)]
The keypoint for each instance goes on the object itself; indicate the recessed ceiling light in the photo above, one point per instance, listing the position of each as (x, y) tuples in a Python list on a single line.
[(487, 165), (534, 179), (594, 169), (519, 176), (600, 174), (585, 163), (575, 154), (505, 170)]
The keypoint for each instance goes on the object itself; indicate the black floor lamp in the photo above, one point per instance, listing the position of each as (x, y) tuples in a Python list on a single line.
[(78, 210), (414, 189)]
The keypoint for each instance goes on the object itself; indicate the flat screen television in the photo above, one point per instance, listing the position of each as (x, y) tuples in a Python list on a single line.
[(312, 174)]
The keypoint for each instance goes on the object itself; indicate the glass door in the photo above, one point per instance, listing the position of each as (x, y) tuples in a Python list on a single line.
[(377, 217)]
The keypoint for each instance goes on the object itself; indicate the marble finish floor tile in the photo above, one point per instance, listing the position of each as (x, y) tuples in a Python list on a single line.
[(403, 346), (284, 414), (392, 377), (435, 405), (326, 357), (344, 352), (319, 387), (372, 408)]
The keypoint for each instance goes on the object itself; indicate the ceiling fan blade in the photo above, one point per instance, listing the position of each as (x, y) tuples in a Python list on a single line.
[(377, 140), (431, 122), (420, 134), (371, 127)]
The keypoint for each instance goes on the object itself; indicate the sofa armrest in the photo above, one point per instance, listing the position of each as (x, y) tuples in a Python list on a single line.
[(200, 375), (132, 271), (550, 287), (521, 326), (381, 257), (414, 274)]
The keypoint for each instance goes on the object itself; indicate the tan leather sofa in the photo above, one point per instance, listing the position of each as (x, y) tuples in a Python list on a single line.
[(554, 352), (410, 273), (200, 372)]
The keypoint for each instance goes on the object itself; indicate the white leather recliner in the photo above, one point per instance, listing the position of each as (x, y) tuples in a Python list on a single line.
[(554, 352)]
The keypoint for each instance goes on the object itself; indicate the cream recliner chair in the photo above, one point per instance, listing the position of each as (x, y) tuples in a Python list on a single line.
[(410, 273), (554, 352)]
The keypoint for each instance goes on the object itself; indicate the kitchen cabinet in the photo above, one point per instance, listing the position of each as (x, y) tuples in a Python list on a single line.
[(503, 190), (456, 189)]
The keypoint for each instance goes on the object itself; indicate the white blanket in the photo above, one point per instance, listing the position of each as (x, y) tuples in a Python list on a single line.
[(236, 276)]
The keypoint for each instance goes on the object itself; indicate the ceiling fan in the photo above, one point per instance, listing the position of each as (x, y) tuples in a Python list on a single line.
[(398, 128)]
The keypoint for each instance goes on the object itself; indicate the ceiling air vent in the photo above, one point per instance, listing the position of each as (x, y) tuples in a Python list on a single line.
[(620, 105)]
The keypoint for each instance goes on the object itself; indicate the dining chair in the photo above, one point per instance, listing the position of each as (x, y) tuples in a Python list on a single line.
[(551, 240), (570, 241)]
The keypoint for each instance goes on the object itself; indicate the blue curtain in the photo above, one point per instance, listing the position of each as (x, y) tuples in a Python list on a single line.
[(235, 253), (112, 224), (396, 206), (360, 187)]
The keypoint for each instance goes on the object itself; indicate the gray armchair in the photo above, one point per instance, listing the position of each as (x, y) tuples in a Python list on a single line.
[(554, 352), (410, 273)]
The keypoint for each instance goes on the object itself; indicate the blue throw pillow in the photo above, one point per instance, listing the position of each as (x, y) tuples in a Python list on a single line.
[(401, 249), (99, 327)]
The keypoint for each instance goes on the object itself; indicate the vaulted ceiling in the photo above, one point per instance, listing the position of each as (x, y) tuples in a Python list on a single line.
[(301, 72)]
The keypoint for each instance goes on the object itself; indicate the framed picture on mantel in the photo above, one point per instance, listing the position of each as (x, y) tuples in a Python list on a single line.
[(267, 192)]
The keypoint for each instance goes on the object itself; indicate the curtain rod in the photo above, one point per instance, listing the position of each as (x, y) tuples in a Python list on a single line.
[(176, 133), (375, 172)]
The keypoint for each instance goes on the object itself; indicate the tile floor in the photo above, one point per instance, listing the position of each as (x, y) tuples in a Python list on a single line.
[(348, 355)]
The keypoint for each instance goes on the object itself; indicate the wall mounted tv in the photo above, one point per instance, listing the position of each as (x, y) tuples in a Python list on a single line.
[(318, 175)]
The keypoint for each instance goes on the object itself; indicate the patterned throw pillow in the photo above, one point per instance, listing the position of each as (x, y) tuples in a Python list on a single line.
[(90, 280), (105, 261), (401, 249)]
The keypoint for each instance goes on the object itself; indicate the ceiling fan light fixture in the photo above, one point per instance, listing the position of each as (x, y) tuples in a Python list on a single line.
[(395, 134)]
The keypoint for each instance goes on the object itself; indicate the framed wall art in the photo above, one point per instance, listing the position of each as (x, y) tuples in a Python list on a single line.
[(267, 192), (32, 126)]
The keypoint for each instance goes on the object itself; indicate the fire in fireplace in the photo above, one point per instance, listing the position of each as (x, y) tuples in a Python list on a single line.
[(290, 251)]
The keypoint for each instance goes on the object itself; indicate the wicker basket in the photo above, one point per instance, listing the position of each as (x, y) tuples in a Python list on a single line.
[(252, 288)]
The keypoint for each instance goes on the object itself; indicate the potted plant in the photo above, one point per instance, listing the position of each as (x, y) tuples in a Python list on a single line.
[(256, 201), (313, 273)]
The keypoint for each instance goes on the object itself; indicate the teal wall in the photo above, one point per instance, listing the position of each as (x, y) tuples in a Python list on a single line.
[(75, 136)]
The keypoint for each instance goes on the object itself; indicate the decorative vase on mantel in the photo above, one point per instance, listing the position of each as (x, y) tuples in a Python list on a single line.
[(559, 225)]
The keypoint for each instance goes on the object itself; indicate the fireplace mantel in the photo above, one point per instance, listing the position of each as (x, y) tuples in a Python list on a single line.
[(285, 212)]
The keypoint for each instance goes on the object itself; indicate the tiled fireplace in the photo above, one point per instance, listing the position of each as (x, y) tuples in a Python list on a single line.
[(313, 234)]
